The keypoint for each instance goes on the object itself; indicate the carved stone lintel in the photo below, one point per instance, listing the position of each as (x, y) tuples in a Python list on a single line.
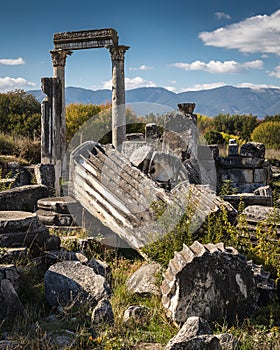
[(117, 52), (59, 57)]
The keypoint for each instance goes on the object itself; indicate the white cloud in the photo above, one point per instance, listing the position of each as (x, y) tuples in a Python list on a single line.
[(11, 61), (275, 72), (221, 67), (170, 88), (8, 83), (222, 15), (131, 83), (257, 86), (209, 86), (142, 67), (255, 34)]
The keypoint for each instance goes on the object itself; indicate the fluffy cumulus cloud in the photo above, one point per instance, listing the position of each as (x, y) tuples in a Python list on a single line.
[(221, 67), (275, 72), (8, 83), (255, 34), (11, 61), (142, 67), (131, 83), (222, 15)]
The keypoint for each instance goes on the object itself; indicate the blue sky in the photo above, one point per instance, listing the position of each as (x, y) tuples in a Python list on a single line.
[(177, 44)]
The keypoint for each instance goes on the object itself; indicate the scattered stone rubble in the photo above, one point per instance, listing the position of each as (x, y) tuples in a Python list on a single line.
[(262, 217), (202, 282), (196, 334)]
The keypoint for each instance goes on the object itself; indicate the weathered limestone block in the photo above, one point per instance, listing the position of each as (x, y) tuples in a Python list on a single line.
[(22, 198), (261, 176), (239, 162), (210, 281), (45, 175), (143, 281), (248, 199), (176, 144), (252, 149), (70, 282), (239, 175)]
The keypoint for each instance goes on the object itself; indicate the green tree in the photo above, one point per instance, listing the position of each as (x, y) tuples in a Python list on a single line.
[(214, 137), (236, 124), (272, 118), (77, 114), (20, 113), (268, 134)]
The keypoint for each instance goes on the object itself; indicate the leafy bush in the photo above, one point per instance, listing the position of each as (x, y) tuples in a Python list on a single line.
[(268, 134)]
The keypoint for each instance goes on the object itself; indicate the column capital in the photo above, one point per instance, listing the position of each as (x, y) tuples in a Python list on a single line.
[(59, 57), (117, 52)]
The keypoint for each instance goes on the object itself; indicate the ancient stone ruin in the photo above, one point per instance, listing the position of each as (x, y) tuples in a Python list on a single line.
[(133, 192), (53, 106), (247, 170)]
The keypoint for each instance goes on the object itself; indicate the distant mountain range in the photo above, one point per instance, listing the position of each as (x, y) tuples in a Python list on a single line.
[(226, 99)]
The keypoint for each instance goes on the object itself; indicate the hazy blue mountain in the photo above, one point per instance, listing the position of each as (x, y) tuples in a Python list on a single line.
[(212, 102)]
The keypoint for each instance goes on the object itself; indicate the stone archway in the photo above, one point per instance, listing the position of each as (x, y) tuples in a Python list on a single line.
[(53, 107)]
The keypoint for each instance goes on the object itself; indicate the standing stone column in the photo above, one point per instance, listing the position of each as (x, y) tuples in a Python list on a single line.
[(50, 108), (59, 124), (118, 95)]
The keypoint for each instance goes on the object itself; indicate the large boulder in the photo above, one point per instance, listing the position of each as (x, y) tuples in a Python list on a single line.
[(211, 281), (71, 282)]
